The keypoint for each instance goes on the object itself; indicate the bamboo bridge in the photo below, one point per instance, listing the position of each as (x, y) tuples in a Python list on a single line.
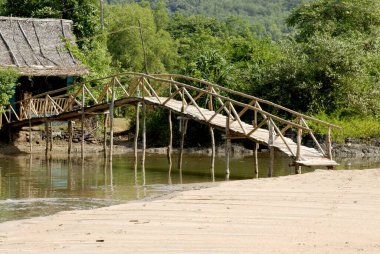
[(237, 114)]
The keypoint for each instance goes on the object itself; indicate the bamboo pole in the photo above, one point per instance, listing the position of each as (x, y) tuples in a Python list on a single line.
[(228, 141), (256, 162), (183, 125), (30, 127), (170, 146), (82, 124), (271, 148), (328, 142), (143, 134), (46, 137), (51, 136), (212, 154), (105, 122), (137, 129), (70, 142), (298, 154), (112, 106)]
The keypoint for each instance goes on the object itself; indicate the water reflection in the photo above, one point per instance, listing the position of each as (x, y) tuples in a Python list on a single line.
[(39, 185)]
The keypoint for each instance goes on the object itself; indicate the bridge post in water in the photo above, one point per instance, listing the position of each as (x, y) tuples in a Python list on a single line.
[(271, 148), (137, 130), (70, 141), (143, 134), (112, 106), (30, 127), (170, 145), (46, 137), (105, 122), (82, 123), (183, 129), (256, 148), (228, 140), (298, 153)]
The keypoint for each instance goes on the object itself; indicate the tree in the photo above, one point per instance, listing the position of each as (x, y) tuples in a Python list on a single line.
[(124, 42), (332, 63), (8, 79)]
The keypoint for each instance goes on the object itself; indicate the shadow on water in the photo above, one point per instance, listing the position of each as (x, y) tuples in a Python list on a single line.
[(38, 185)]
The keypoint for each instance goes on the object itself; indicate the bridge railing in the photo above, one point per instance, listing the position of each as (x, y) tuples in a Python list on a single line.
[(236, 106)]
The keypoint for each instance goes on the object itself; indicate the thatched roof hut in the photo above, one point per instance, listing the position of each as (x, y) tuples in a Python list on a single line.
[(36, 47)]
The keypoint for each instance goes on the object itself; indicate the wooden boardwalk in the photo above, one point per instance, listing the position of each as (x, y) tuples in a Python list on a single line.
[(210, 104)]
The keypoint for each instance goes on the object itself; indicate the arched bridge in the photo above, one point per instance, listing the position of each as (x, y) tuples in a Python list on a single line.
[(239, 114)]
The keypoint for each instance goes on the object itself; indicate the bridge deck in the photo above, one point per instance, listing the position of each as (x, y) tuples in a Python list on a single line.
[(309, 156)]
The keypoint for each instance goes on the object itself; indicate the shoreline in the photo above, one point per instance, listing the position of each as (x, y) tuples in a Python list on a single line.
[(318, 212)]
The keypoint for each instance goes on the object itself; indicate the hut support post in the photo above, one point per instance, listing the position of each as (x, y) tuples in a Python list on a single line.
[(271, 148), (137, 129), (70, 143), (112, 106), (30, 127)]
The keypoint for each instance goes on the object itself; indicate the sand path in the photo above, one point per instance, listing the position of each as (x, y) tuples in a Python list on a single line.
[(320, 212)]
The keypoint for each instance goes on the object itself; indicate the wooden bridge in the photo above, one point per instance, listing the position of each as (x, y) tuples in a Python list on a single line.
[(238, 114)]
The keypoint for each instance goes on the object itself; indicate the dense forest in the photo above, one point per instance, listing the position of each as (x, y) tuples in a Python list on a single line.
[(329, 66), (266, 17)]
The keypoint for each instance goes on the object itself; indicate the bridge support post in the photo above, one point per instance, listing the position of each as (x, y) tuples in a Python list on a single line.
[(297, 167), (228, 140), (143, 135), (51, 136), (112, 106), (170, 146), (271, 148), (30, 127), (256, 160), (212, 153), (183, 129), (105, 122), (70, 141), (46, 137), (82, 124), (137, 129)]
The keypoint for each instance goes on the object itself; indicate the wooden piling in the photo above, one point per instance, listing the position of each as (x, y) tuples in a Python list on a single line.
[(328, 143), (212, 153), (256, 149), (82, 123), (137, 129), (297, 167), (112, 106), (30, 127), (271, 148), (70, 142), (170, 145), (143, 134), (46, 137), (228, 140), (105, 122), (51, 136), (183, 124)]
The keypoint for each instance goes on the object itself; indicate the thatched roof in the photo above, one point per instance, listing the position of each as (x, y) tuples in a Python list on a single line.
[(36, 47)]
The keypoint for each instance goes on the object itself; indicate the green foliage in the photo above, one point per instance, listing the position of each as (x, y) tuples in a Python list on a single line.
[(327, 69), (125, 45), (8, 79), (354, 127)]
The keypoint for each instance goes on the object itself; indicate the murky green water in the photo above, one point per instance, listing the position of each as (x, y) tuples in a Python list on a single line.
[(36, 185)]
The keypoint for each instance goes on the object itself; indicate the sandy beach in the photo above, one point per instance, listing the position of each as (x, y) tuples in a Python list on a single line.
[(319, 212)]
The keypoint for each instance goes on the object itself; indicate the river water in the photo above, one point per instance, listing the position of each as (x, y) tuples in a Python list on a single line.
[(37, 185)]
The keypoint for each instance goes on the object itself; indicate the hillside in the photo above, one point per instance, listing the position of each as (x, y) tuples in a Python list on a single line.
[(265, 16)]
